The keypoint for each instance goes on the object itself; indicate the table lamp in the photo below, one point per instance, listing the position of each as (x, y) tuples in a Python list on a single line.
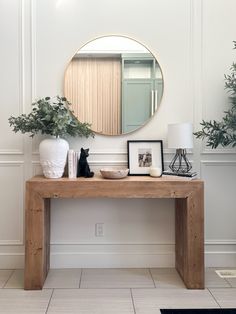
[(180, 136)]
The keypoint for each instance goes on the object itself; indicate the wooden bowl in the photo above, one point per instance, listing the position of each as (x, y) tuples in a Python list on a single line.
[(112, 173)]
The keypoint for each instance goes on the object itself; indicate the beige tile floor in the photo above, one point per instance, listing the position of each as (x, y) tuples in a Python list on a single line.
[(107, 291)]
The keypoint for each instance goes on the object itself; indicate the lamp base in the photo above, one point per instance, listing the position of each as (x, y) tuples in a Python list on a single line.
[(180, 163)]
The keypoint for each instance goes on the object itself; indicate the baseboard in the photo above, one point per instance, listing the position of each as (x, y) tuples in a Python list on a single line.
[(220, 259), (111, 260), (107, 260), (73, 259), (220, 253), (12, 260)]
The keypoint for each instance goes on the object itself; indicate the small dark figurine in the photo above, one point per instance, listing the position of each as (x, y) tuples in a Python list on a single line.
[(83, 166)]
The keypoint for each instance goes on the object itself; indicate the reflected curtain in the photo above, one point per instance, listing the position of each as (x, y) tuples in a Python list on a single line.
[(93, 86)]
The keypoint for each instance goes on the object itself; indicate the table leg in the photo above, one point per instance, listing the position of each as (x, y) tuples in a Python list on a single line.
[(37, 240), (189, 237)]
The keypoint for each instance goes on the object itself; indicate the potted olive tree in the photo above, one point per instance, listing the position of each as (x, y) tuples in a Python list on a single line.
[(51, 116)]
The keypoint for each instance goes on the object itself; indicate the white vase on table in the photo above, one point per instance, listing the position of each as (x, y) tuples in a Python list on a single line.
[(53, 155)]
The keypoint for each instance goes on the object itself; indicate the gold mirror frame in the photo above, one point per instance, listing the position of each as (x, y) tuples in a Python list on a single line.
[(145, 59)]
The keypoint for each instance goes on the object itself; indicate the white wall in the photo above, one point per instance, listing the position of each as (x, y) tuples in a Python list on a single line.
[(192, 40)]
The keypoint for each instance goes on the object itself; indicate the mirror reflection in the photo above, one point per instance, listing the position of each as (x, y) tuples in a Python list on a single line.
[(115, 84)]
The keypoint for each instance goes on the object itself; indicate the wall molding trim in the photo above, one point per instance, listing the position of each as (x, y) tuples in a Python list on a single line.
[(20, 240), (21, 76), (12, 260), (11, 163), (33, 48), (116, 260), (111, 243), (98, 153), (108, 163), (113, 260), (205, 150), (219, 151), (11, 243), (10, 152), (221, 242), (220, 259), (207, 242), (218, 163), (121, 153)]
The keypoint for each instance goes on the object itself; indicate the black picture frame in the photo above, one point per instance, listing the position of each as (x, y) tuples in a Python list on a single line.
[(142, 154)]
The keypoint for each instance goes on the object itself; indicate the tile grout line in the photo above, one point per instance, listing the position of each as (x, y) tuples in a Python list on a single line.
[(131, 294), (3, 287), (213, 296), (49, 301), (93, 288), (80, 277), (152, 277)]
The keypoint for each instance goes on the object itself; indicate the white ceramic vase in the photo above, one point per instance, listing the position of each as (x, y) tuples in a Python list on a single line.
[(53, 154)]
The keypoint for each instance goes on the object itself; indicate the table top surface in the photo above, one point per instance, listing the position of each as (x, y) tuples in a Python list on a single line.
[(99, 178)]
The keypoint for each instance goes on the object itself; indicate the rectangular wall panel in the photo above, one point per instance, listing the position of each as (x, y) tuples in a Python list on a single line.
[(220, 200), (217, 58), (11, 75), (11, 196)]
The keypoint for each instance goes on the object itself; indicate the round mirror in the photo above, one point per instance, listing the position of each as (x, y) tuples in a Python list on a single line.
[(115, 84)]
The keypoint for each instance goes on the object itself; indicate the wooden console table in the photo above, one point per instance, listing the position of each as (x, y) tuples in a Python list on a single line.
[(189, 218)]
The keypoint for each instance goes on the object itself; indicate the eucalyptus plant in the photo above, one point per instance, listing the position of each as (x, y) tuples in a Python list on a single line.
[(223, 132), (51, 116)]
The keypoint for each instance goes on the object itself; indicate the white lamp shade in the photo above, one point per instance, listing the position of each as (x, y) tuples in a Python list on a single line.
[(180, 135)]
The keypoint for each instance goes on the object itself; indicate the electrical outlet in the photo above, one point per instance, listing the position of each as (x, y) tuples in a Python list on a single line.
[(99, 229)]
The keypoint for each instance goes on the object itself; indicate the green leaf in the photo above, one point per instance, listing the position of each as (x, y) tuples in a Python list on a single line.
[(50, 116)]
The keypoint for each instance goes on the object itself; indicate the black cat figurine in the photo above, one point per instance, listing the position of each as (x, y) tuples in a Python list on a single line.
[(83, 167)]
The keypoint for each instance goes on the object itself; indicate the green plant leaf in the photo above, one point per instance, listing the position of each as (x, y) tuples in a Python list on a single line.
[(50, 116)]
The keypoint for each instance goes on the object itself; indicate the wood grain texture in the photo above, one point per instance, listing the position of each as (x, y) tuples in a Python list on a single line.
[(37, 239), (189, 218), (129, 187), (189, 235), (93, 86)]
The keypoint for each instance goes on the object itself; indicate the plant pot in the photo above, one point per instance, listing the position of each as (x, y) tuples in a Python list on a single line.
[(53, 155)]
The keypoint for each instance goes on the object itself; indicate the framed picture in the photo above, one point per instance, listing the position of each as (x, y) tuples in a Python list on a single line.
[(144, 154)]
